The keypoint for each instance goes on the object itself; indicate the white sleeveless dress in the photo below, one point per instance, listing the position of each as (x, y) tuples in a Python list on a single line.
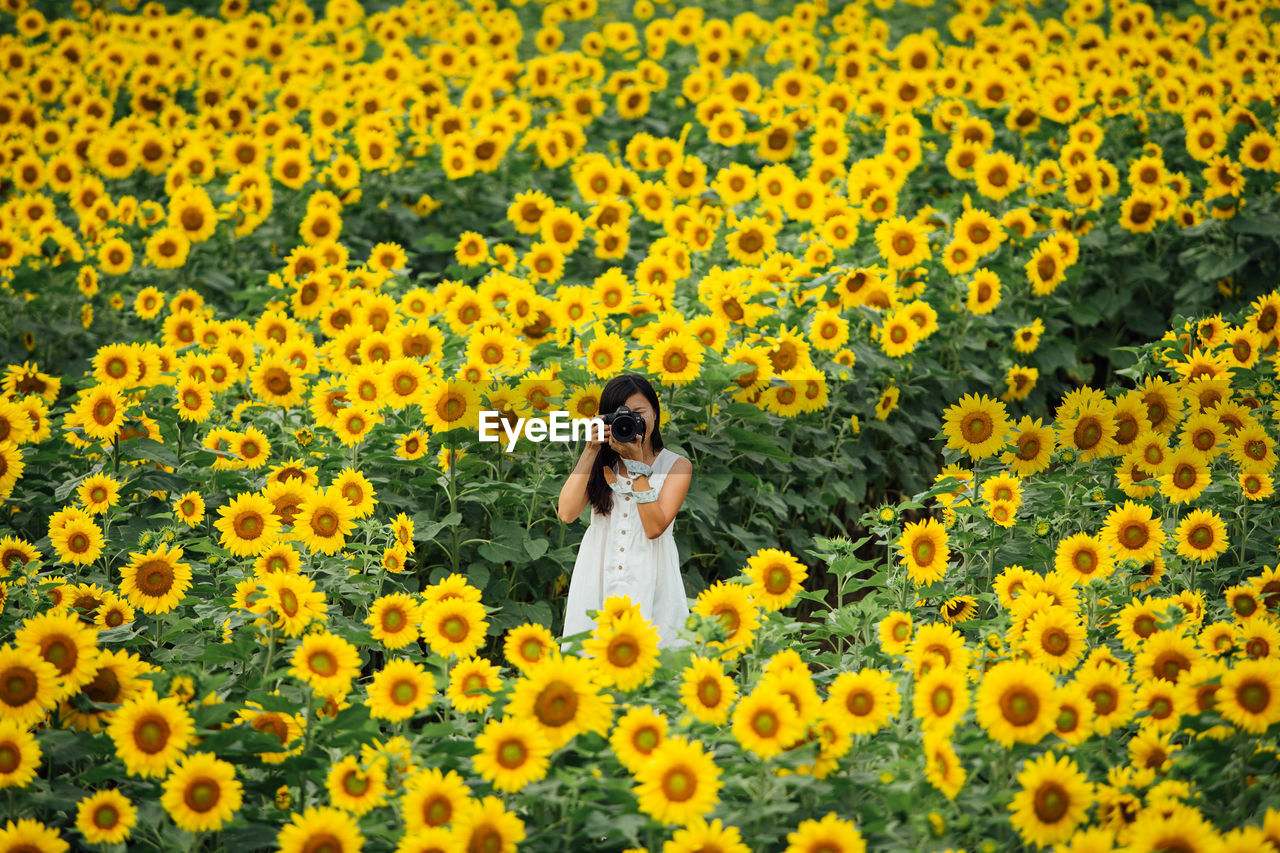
[(617, 558)]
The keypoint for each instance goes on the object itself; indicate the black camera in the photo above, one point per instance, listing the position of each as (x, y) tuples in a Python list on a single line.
[(624, 424)]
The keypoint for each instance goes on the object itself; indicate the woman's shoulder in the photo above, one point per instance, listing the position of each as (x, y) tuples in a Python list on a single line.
[(673, 458)]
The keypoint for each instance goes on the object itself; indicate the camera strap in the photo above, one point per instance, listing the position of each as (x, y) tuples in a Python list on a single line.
[(636, 468)]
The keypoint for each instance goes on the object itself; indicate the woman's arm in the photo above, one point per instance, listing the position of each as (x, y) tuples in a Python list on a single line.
[(573, 494), (658, 515)]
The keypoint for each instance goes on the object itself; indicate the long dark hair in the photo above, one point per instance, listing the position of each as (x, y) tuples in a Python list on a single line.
[(613, 396)]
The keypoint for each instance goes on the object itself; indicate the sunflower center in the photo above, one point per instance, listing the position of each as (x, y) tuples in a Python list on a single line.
[(1134, 535), (557, 704), (728, 617), (942, 700), (1084, 561), (404, 692), (1184, 477), (454, 628), (19, 686), (1254, 696), (249, 525), (154, 577), (1088, 433), (202, 795), (323, 663), (106, 816), (1020, 706), (151, 734), (977, 427), (1056, 642), (860, 704), (1051, 802), (679, 784), (323, 843)]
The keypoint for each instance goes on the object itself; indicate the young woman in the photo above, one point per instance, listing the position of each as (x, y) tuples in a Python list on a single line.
[(634, 489)]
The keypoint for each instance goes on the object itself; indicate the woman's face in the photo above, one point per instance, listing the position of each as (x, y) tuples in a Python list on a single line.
[(642, 407)]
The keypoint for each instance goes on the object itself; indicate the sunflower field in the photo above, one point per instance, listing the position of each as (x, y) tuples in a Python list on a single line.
[(965, 314)]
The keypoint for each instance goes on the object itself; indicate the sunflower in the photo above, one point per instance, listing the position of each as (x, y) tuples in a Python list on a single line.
[(1131, 532), (829, 834), (560, 694), (984, 292), (324, 520), (115, 257), (699, 836), (100, 413), (484, 824), (940, 699), (248, 524), (680, 782), (924, 550), (79, 541), (977, 425), (528, 644), (453, 626), (151, 734), (277, 381), (732, 606), (942, 768), (1255, 485), (867, 700), (937, 644), (292, 600), (1186, 475), (707, 691), (899, 335), (895, 633), (393, 619), (1201, 535), (1073, 721), (776, 577), (157, 580), (1111, 694), (1054, 799), (1055, 639), (326, 662), (449, 404), (473, 683), (106, 817), (903, 244), (98, 493), (202, 793), (624, 650), (63, 640), (1083, 558), (766, 722), (354, 788), (1252, 448), (19, 755), (511, 753), (1015, 703), (1249, 696), (1032, 447), (321, 828), (433, 798), (400, 690)]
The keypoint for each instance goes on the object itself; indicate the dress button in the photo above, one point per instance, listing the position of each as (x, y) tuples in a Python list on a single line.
[(622, 549)]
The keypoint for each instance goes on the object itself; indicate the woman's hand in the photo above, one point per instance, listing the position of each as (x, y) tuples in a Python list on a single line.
[(596, 445), (627, 450)]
